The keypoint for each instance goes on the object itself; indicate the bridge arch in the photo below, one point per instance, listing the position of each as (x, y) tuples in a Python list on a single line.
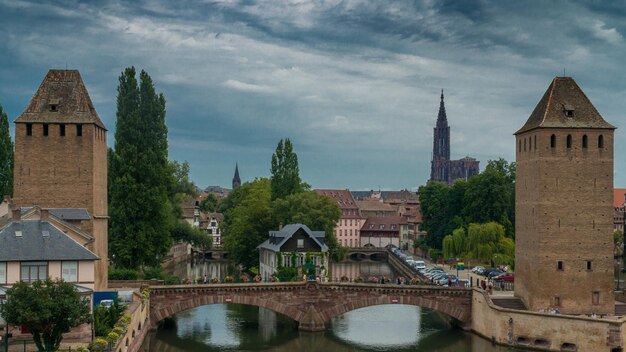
[(312, 305)]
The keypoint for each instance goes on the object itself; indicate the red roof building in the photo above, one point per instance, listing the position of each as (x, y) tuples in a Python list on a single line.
[(349, 225)]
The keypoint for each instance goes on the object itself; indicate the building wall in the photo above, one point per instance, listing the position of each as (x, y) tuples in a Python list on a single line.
[(548, 332), (564, 214), (85, 272), (379, 241), (66, 172), (348, 231)]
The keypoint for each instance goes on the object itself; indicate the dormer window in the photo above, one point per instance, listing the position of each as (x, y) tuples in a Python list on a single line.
[(568, 110), (54, 104)]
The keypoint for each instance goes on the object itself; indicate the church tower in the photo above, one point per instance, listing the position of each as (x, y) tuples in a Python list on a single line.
[(236, 179), (440, 163), (61, 157), (564, 214)]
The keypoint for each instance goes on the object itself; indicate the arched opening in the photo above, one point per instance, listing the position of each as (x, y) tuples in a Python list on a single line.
[(524, 144), (569, 141), (535, 142), (585, 142), (600, 141), (552, 141), (519, 146)]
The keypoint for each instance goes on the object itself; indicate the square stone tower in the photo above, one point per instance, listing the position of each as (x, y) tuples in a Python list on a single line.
[(61, 157), (563, 207)]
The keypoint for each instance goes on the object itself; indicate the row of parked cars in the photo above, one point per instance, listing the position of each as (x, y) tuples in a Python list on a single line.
[(495, 274), (436, 274)]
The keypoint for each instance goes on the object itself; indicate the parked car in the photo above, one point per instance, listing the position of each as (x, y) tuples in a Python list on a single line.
[(478, 269), (487, 271), (505, 277), (419, 264), (495, 273)]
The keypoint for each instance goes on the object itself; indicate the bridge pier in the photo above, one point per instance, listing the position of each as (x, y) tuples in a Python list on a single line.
[(311, 321)]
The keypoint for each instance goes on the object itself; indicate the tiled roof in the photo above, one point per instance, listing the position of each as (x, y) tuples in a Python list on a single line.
[(387, 221), (564, 95), (374, 205), (343, 197), (619, 195), (64, 213), (66, 91), (289, 230), (28, 240)]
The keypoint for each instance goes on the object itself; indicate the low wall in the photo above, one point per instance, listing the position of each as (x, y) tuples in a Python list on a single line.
[(400, 266), (118, 284), (138, 326), (542, 331)]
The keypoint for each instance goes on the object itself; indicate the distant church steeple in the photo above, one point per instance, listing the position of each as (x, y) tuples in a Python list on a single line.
[(440, 164), (236, 179)]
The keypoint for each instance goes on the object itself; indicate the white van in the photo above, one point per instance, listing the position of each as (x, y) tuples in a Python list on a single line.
[(419, 264)]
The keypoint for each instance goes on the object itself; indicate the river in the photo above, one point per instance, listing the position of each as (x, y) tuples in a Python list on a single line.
[(236, 327)]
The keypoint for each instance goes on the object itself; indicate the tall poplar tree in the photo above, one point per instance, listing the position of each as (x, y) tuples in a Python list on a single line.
[(140, 215), (6, 156), (285, 172)]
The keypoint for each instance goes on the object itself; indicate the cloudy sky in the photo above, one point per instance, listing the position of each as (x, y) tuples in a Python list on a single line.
[(354, 84)]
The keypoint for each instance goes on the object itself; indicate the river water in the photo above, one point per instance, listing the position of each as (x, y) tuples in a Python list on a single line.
[(234, 327)]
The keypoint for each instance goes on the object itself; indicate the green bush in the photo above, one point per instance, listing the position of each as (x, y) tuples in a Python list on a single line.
[(153, 273), (123, 274), (287, 273), (104, 318)]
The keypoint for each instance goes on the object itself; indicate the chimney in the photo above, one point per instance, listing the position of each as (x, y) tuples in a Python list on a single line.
[(17, 214), (44, 214)]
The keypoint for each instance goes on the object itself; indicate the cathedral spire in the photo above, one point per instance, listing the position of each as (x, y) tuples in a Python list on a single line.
[(442, 119), (236, 179)]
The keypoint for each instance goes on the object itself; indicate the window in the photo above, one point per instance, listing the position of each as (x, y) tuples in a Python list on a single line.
[(53, 107), (519, 146), (29, 129), (595, 297), (589, 265), (62, 130), (530, 144), (557, 301), (79, 130), (585, 141), (3, 273), (600, 141), (45, 129), (535, 142), (69, 271), (559, 265), (569, 141), (300, 243), (524, 144), (552, 141), (34, 271)]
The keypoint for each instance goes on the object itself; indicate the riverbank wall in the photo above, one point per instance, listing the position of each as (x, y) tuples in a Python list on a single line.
[(137, 328), (544, 331)]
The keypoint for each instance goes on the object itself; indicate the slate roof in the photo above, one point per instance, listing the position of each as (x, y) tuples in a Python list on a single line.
[(64, 213), (564, 94), (280, 237), (66, 90), (386, 221), (33, 244)]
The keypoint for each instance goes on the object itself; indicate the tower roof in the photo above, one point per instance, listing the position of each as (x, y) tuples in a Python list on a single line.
[(442, 119), (564, 105), (236, 178), (61, 98)]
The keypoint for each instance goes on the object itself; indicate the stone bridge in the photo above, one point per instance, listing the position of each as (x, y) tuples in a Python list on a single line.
[(311, 304), (373, 253)]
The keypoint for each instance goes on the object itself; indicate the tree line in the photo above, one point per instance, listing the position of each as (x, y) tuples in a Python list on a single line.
[(473, 218)]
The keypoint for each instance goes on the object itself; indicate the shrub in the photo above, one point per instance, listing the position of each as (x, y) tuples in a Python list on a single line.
[(123, 274), (105, 318), (112, 338)]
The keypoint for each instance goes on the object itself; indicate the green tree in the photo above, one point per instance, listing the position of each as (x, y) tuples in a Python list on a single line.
[(488, 242), (179, 187), (434, 205), (183, 231), (6, 156), (315, 211), (247, 222), (454, 245), (285, 172), (47, 308), (139, 207), (210, 203)]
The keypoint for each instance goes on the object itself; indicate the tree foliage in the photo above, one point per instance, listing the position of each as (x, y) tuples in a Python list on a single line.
[(210, 203), (47, 308), (6, 156), (183, 231), (486, 197), (247, 222), (285, 171), (139, 207)]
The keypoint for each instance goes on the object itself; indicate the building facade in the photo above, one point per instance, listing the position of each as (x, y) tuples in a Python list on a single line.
[(380, 232), (564, 205), (442, 169), (619, 203), (61, 157), (349, 224)]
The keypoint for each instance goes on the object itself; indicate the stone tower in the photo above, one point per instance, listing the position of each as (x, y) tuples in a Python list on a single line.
[(440, 163), (564, 190), (61, 157), (236, 179)]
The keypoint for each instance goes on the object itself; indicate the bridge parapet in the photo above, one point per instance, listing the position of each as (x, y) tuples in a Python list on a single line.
[(310, 304)]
